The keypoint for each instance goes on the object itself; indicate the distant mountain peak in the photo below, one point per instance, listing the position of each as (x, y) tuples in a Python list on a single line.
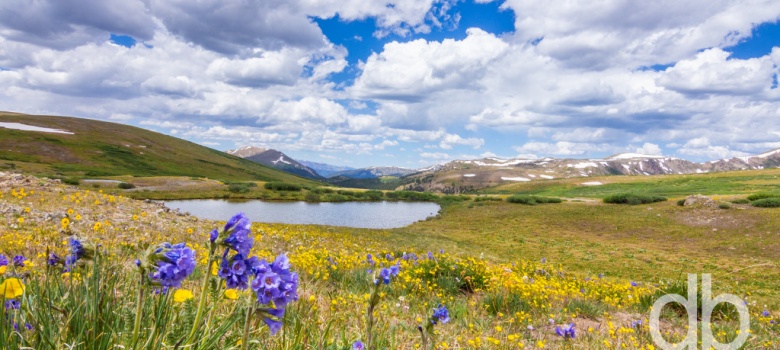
[(246, 151), (275, 159)]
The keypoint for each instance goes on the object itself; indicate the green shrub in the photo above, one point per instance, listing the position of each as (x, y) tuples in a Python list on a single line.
[(741, 201), (532, 200), (762, 195), (125, 185), (281, 186), (724, 205), (681, 202), (312, 197), (766, 202), (633, 198), (487, 199), (71, 181), (238, 188), (373, 195)]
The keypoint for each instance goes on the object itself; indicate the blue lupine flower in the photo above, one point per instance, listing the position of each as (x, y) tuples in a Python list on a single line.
[(3, 260), (358, 345), (765, 313), (76, 248), (601, 275), (275, 283), (389, 257), (237, 270), (19, 260), (236, 234), (544, 260), (172, 263), (634, 284), (430, 255), (440, 314), (12, 304), (273, 319), (636, 324), (54, 260), (370, 259), (26, 325), (567, 331)]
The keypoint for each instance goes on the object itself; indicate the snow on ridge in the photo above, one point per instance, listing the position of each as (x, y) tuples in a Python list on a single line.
[(767, 154), (25, 127), (584, 165), (546, 177), (515, 179), (469, 175), (592, 183), (281, 159), (633, 155)]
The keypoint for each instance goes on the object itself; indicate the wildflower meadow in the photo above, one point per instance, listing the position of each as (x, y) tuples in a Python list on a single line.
[(84, 269)]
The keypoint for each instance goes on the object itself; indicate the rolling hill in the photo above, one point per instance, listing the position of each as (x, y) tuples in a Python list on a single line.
[(91, 148)]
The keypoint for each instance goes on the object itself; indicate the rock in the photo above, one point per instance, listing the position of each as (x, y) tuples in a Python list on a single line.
[(700, 200)]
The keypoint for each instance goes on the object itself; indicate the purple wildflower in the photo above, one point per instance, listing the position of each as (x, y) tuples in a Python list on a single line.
[(237, 270), (273, 319), (19, 260), (172, 263), (634, 284), (358, 345), (440, 314), (765, 313), (370, 259), (3, 260), (275, 283), (12, 304), (54, 260), (567, 331), (236, 234)]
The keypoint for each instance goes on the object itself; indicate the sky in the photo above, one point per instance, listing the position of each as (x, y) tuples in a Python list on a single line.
[(408, 82)]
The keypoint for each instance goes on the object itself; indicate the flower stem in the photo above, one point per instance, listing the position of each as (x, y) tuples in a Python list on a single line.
[(245, 337), (138, 309), (203, 295), (370, 314)]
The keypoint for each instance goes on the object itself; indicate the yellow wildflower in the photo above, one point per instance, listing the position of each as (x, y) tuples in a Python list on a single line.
[(182, 295), (12, 288), (231, 294)]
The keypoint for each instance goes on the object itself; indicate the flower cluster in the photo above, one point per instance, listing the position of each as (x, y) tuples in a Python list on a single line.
[(236, 270), (275, 286), (386, 273), (170, 264), (440, 314), (567, 331), (235, 235)]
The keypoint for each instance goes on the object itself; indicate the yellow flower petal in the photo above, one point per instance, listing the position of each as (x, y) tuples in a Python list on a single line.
[(182, 295), (12, 288), (231, 294)]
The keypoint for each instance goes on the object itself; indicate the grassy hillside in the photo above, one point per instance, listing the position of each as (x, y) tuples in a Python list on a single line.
[(722, 183), (98, 149)]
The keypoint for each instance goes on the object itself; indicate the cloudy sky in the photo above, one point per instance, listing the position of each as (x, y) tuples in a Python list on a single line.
[(408, 82)]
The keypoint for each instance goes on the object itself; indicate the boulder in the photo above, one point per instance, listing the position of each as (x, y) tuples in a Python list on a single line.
[(700, 200)]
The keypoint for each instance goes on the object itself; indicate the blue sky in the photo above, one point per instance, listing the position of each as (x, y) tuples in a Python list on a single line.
[(408, 82)]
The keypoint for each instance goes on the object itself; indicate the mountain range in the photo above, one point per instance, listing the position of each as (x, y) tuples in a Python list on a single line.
[(468, 175), (314, 170)]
